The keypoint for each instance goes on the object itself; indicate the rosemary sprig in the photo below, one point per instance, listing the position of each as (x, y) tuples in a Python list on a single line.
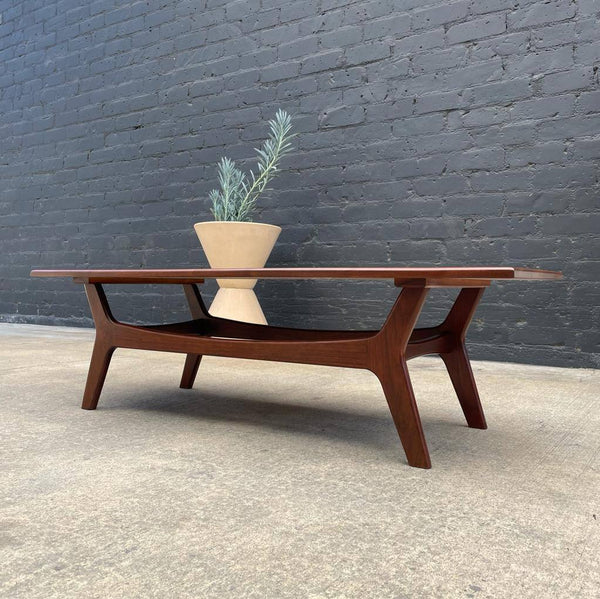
[(236, 199)]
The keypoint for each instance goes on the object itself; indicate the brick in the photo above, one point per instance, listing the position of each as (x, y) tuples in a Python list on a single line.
[(324, 61), (555, 151), (339, 38), (536, 63), (574, 223), (483, 117), (543, 108), (345, 77), (409, 127), (403, 169), (528, 249), (486, 6), (476, 159), (575, 126), (551, 177), (241, 9), (367, 93), (297, 10), (539, 13), (474, 205), (439, 15), (476, 29), (501, 181), (420, 42), (504, 45), (502, 92), (554, 35), (342, 116), (280, 71), (443, 142), (388, 70), (586, 149), (394, 25), (292, 88), (368, 53), (588, 53), (327, 21), (241, 79), (439, 102), (435, 228), (439, 60), (589, 102), (389, 110), (299, 47), (379, 171), (258, 58), (502, 227), (260, 20), (446, 184), (417, 208), (589, 7)]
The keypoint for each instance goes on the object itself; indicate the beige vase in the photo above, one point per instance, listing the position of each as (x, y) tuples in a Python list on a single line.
[(229, 244)]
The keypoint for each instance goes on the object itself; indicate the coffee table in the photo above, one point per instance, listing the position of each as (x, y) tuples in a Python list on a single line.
[(385, 352)]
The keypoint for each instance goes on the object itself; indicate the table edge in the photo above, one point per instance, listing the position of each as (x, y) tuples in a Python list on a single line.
[(350, 273)]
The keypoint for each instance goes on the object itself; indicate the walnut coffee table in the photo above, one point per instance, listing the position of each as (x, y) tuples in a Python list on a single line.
[(384, 352)]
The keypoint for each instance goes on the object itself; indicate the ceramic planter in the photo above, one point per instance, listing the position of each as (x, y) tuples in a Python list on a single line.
[(229, 244)]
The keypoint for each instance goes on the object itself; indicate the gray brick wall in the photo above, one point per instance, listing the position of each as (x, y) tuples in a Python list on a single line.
[(430, 133)]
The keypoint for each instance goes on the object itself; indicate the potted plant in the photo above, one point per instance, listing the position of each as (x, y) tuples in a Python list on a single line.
[(232, 240)]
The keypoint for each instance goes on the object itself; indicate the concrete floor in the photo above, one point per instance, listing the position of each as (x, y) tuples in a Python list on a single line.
[(273, 481)]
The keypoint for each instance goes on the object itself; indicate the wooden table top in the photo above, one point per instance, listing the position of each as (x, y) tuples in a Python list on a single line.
[(196, 275)]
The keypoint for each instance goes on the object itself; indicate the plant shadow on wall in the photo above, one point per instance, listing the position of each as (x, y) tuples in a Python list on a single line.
[(232, 240)]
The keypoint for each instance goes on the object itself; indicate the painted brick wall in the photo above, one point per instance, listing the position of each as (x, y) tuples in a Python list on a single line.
[(430, 133)]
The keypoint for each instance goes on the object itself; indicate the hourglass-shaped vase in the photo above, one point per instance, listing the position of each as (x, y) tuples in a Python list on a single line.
[(230, 244)]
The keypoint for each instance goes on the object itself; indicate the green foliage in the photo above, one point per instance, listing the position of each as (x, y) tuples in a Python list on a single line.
[(237, 194), (228, 202)]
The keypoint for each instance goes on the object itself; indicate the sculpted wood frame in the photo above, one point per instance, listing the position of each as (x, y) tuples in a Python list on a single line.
[(384, 352)]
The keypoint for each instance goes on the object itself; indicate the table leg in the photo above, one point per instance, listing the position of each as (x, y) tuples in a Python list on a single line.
[(457, 359), (99, 364), (459, 368), (388, 362), (198, 311), (402, 404), (103, 349), (190, 370)]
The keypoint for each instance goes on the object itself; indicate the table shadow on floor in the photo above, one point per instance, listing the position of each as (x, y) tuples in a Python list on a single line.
[(352, 426)]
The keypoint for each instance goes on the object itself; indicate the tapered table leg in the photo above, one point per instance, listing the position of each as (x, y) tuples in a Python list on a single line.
[(99, 364), (103, 349), (190, 370), (388, 362), (461, 375), (403, 407), (457, 359), (198, 311)]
